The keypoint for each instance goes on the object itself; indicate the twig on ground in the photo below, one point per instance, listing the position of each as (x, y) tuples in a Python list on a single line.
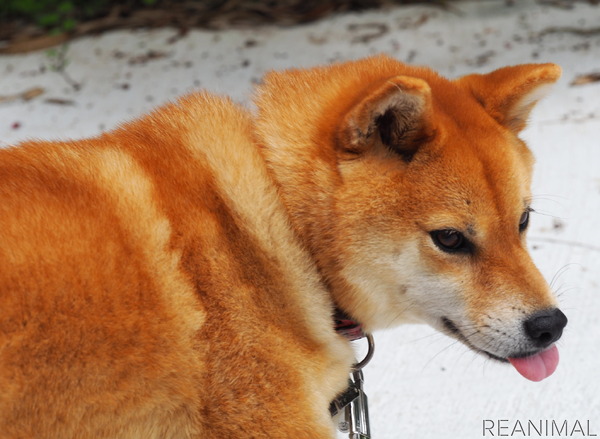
[(26, 95)]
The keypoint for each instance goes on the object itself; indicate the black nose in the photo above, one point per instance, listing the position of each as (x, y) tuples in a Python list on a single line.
[(545, 327)]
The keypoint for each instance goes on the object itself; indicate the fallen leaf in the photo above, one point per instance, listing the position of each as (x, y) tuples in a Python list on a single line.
[(588, 78), (26, 95)]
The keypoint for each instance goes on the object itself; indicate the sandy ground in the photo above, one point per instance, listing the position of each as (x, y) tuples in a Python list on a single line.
[(421, 384)]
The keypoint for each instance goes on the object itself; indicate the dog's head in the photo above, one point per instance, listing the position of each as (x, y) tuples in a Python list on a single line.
[(412, 192)]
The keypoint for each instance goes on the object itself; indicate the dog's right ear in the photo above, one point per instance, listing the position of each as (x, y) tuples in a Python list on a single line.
[(397, 113)]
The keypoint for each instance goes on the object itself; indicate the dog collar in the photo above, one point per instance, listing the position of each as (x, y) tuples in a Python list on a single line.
[(346, 326)]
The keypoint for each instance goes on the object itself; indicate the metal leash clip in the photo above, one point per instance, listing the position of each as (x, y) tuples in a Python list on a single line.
[(352, 405), (354, 419)]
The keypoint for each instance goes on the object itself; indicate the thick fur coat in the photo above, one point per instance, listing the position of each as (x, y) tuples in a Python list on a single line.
[(176, 277)]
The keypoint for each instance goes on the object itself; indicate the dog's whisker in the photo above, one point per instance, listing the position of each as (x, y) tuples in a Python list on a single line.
[(454, 342), (558, 199), (548, 214), (560, 272), (564, 290)]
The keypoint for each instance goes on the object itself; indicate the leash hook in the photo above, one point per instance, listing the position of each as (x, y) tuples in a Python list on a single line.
[(352, 405)]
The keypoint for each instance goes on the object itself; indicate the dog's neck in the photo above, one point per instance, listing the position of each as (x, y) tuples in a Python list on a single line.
[(299, 159), (297, 150), (298, 115)]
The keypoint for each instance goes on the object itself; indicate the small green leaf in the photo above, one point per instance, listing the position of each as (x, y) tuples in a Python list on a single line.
[(65, 7), (68, 24), (48, 20)]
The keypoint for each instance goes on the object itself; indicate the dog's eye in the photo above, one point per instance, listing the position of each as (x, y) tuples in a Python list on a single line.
[(450, 241), (524, 220)]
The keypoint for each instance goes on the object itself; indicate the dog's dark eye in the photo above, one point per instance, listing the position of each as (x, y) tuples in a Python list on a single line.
[(450, 241), (524, 220)]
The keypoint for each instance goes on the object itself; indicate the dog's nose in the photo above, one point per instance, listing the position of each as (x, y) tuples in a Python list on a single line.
[(545, 327)]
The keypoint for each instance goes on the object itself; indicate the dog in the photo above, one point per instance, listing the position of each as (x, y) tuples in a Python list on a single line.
[(177, 277)]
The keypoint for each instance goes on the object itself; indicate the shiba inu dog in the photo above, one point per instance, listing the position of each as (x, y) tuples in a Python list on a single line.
[(177, 277)]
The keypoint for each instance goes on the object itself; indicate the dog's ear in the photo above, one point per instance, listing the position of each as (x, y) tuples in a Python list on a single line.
[(396, 112), (510, 93)]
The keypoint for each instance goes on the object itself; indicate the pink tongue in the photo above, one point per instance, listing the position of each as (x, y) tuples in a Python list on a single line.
[(538, 366)]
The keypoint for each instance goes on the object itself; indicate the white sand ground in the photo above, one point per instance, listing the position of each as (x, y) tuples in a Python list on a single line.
[(421, 384)]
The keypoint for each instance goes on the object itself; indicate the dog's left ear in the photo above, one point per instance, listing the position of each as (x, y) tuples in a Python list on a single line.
[(396, 112), (510, 93)]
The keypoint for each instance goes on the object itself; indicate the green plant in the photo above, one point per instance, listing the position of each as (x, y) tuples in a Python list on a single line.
[(53, 15)]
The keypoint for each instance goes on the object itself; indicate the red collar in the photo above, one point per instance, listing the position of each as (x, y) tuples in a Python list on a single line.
[(348, 327)]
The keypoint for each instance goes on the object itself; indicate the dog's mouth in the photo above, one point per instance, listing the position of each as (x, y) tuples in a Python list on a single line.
[(534, 366)]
